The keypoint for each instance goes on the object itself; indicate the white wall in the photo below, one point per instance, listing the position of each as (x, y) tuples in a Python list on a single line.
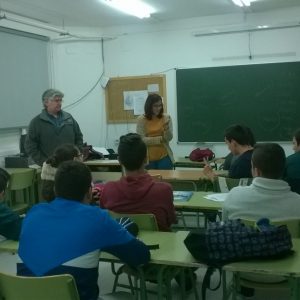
[(142, 50), (154, 49)]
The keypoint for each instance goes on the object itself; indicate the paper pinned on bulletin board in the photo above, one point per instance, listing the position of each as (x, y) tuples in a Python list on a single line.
[(135, 100), (153, 88)]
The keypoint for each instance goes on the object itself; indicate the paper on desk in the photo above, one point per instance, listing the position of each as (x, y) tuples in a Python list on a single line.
[(34, 166), (220, 197), (101, 150)]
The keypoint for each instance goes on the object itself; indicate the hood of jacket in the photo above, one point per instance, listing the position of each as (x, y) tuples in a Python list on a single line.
[(135, 187)]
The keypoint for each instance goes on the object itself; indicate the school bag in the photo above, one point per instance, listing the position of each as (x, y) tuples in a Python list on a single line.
[(230, 241), (89, 153), (201, 154)]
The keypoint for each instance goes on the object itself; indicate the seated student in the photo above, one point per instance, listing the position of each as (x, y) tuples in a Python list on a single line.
[(61, 153), (292, 166), (138, 192), (10, 222), (228, 161), (268, 196), (240, 141), (66, 235)]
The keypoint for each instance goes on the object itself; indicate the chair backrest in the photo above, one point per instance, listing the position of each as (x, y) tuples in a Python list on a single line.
[(293, 225), (21, 179), (182, 185), (58, 287), (20, 192), (106, 176), (225, 184), (144, 221)]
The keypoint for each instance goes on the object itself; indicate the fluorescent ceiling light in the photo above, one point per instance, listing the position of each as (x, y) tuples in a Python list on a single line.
[(242, 3), (131, 7)]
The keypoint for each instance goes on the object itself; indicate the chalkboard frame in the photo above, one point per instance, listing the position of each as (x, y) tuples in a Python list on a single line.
[(264, 97)]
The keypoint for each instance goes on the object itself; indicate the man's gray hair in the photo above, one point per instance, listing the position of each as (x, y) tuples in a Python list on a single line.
[(51, 93)]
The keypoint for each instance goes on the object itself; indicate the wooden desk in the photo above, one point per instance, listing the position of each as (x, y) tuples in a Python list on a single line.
[(104, 164), (184, 162), (9, 246), (198, 203), (288, 267), (172, 252), (193, 175)]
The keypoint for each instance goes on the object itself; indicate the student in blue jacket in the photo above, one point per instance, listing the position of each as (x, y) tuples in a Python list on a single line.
[(65, 236)]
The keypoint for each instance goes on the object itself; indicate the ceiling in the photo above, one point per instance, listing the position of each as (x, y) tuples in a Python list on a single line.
[(93, 13)]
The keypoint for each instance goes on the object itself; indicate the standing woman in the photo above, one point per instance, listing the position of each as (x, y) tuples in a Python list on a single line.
[(156, 129)]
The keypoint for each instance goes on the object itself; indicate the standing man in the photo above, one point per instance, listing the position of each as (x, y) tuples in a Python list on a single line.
[(51, 128)]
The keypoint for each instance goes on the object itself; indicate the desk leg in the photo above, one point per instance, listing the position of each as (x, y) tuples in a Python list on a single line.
[(160, 285), (191, 275), (143, 290), (182, 283), (227, 290), (294, 288)]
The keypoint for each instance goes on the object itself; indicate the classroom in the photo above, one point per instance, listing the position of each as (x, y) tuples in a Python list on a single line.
[(84, 53)]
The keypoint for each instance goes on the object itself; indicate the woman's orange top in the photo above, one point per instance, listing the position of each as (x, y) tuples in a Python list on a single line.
[(155, 127)]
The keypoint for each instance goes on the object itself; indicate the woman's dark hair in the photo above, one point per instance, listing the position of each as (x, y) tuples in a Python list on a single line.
[(4, 177), (63, 153), (150, 101)]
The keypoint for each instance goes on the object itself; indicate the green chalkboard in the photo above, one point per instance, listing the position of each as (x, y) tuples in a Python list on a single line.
[(265, 97)]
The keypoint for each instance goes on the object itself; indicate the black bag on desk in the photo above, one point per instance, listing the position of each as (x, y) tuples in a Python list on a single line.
[(89, 153), (225, 242)]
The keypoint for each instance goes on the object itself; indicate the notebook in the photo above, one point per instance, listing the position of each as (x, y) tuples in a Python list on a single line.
[(182, 195)]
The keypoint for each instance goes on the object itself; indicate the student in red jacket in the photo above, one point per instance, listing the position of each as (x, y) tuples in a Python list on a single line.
[(137, 191)]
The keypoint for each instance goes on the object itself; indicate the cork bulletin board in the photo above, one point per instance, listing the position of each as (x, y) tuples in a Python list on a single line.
[(114, 95)]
